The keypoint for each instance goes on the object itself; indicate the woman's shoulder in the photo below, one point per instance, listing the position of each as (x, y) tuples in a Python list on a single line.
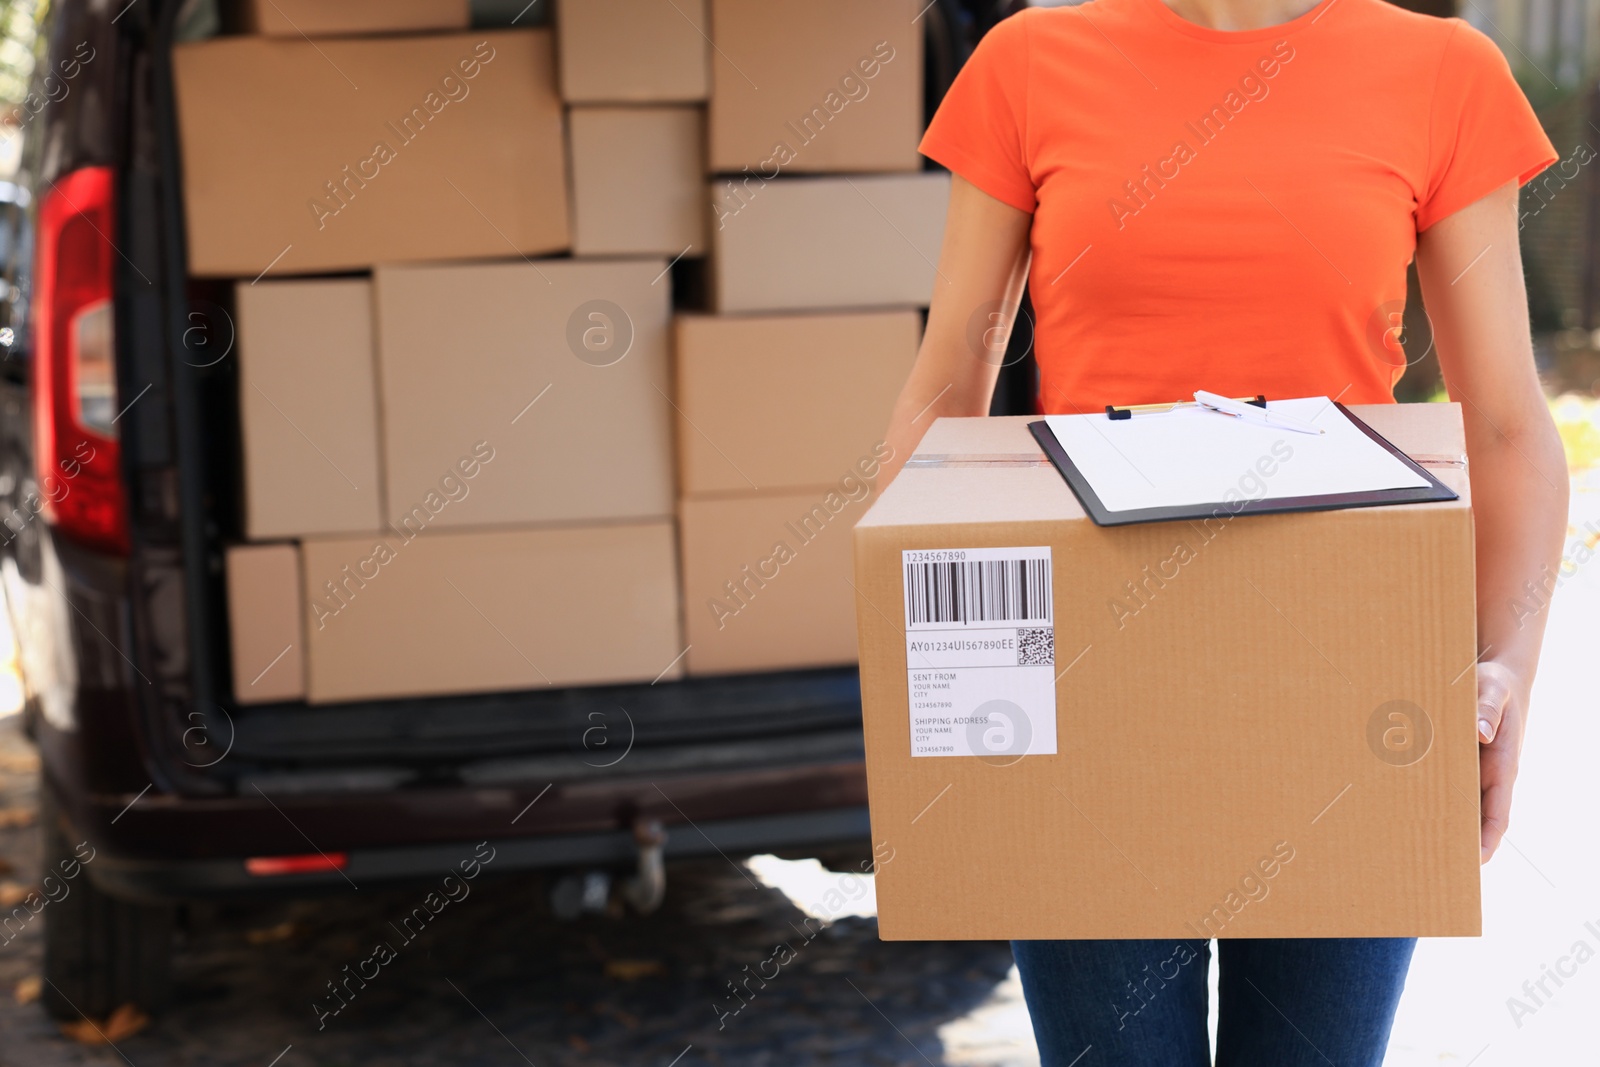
[(1090, 17), (1428, 46), (1074, 30), (1399, 27)]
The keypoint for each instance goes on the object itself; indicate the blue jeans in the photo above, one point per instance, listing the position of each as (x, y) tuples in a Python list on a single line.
[(1309, 1002)]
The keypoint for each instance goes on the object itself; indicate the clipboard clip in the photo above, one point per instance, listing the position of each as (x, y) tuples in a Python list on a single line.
[(1119, 413)]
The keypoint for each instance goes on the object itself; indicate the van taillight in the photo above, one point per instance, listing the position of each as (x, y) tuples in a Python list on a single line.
[(74, 363), (307, 863)]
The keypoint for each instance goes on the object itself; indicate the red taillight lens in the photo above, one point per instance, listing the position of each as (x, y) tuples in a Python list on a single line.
[(74, 363), (266, 866)]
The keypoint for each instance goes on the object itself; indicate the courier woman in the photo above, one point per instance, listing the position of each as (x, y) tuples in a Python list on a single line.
[(1225, 194)]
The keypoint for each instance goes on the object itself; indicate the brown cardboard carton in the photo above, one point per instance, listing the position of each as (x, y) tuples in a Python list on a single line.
[(324, 18), (633, 51), (805, 243), (307, 408), (777, 402), (832, 85), (303, 157), (637, 184), (766, 576), (553, 375), (463, 612), (1262, 726), (264, 623)]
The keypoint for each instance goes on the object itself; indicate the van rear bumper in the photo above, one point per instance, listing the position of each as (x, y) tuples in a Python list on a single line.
[(173, 847), (731, 838)]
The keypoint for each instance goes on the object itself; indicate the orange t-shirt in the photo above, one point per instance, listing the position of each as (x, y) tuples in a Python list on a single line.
[(1231, 211)]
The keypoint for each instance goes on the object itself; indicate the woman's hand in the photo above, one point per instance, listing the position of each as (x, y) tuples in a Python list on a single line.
[(1502, 718)]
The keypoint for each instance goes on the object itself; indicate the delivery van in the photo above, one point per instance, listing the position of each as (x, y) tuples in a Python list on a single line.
[(119, 492)]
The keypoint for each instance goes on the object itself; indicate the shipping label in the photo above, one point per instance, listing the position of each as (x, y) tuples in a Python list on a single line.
[(980, 652)]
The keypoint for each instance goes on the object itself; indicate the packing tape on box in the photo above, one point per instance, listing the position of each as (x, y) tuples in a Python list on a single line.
[(971, 459), (1424, 459)]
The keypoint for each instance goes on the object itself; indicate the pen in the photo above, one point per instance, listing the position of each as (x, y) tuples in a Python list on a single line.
[(1127, 411), (1265, 417)]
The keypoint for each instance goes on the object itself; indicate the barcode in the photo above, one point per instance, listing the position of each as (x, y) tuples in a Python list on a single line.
[(967, 591)]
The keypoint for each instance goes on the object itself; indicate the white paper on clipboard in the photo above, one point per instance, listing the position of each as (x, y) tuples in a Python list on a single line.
[(1192, 455)]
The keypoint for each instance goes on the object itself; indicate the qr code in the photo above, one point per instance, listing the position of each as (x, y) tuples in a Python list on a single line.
[(1036, 648)]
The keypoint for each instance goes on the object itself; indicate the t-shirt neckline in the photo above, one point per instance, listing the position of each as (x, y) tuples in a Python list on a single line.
[(1207, 33)]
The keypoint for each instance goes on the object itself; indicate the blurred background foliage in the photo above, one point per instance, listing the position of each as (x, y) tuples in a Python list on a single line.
[(19, 46)]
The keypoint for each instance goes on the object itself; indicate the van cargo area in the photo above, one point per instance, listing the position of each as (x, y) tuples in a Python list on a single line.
[(242, 369)]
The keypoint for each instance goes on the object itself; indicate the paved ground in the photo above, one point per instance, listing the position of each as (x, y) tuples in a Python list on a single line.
[(494, 982)]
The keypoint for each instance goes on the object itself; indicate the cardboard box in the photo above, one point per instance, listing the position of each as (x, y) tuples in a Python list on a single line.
[(637, 183), (324, 18), (775, 402), (416, 148), (826, 86), (446, 612), (308, 408), (766, 576), (633, 51), (1263, 726), (552, 375), (264, 623), (804, 243)]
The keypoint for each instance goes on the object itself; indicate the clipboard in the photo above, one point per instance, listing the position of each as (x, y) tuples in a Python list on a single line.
[(1433, 489)]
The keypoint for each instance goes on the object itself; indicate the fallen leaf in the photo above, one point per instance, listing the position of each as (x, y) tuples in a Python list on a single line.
[(633, 970), (27, 990), (578, 1043), (12, 894), (122, 1023), (267, 935), (11, 818), (125, 1022)]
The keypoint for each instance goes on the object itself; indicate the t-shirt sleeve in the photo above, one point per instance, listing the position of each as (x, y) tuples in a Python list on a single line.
[(980, 129), (1483, 132)]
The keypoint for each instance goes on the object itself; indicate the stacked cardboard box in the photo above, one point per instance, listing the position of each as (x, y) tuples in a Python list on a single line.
[(517, 607), (633, 51), (325, 18), (780, 421), (458, 452), (637, 183), (310, 454), (559, 367), (636, 74), (304, 156), (832, 88), (823, 240), (268, 644), (457, 476), (793, 243)]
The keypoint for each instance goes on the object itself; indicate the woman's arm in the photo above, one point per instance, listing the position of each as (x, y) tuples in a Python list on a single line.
[(982, 268), (1471, 272)]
